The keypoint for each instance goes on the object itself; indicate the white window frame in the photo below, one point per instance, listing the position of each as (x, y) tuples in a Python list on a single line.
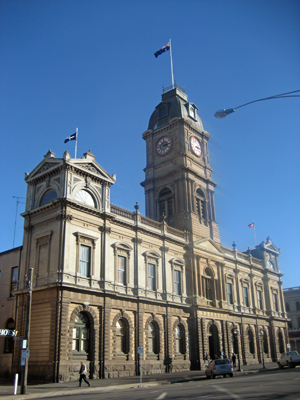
[(122, 249)]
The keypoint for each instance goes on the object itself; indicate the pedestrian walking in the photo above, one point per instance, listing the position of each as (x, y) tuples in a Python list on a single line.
[(82, 374), (233, 357)]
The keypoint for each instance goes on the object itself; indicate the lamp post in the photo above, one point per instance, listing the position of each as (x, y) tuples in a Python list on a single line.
[(27, 333), (262, 348), (223, 113), (237, 332)]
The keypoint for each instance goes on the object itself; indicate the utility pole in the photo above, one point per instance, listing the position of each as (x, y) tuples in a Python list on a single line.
[(24, 361)]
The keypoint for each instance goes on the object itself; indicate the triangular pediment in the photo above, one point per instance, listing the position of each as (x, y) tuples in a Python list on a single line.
[(87, 164), (48, 164), (269, 245), (93, 168), (208, 245)]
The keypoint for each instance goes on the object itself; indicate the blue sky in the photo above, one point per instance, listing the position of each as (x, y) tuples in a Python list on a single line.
[(90, 64)]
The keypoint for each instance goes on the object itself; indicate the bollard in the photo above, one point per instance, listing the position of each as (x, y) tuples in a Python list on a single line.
[(16, 384)]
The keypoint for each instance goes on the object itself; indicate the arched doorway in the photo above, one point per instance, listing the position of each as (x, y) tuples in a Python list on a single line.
[(251, 342), (213, 340), (280, 343)]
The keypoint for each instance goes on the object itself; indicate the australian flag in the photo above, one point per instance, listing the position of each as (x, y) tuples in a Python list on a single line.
[(162, 50), (71, 137)]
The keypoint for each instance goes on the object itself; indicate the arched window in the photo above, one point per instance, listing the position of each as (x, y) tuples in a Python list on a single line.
[(287, 307), (9, 341), (84, 197), (179, 339), (208, 283), (165, 200), (250, 341), (297, 305), (121, 337), (49, 196), (153, 338), (81, 336), (201, 206)]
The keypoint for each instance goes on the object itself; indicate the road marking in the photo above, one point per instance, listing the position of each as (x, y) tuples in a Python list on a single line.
[(227, 392), (162, 396)]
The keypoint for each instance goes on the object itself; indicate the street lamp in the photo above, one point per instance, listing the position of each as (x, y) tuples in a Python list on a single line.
[(237, 332), (223, 113), (262, 348)]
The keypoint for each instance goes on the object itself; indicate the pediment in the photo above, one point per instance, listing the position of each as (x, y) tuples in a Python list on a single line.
[(93, 168), (87, 165), (44, 167), (208, 245), (269, 245)]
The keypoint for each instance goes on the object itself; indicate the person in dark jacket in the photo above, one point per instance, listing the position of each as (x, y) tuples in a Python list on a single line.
[(82, 374), (233, 358)]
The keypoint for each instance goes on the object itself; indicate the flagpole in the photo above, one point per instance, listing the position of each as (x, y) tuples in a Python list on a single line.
[(171, 64), (254, 232), (76, 142)]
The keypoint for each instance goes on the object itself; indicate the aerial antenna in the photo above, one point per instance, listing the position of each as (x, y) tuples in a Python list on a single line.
[(18, 201)]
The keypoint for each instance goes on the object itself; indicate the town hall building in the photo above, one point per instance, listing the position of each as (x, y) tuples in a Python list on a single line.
[(107, 281)]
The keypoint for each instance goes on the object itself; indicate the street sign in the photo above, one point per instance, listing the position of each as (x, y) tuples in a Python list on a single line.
[(140, 350), (8, 332)]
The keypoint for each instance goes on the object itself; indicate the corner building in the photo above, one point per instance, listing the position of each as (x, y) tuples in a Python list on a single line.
[(107, 280)]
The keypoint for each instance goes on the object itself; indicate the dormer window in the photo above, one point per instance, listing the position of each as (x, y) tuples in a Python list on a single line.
[(162, 111), (193, 112)]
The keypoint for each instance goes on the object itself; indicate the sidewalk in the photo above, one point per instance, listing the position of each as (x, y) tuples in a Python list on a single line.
[(100, 385)]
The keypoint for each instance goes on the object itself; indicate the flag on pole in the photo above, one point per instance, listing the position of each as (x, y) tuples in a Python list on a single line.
[(162, 50), (251, 225), (71, 137)]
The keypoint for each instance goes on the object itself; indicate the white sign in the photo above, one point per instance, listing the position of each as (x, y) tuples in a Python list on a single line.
[(8, 332), (288, 346), (140, 350)]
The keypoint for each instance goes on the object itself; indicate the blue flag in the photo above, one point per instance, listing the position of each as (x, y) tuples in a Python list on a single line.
[(71, 137), (162, 50)]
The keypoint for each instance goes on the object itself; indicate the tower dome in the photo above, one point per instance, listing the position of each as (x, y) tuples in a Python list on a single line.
[(175, 105)]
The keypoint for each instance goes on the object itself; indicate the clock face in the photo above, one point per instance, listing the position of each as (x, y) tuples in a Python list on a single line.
[(163, 146), (196, 146)]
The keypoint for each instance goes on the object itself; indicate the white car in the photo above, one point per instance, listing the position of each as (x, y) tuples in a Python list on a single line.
[(289, 359)]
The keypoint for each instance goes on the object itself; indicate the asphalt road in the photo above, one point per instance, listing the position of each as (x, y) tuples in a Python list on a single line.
[(273, 385)]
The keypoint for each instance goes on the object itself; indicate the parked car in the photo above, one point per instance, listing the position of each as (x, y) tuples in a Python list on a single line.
[(221, 366), (289, 359)]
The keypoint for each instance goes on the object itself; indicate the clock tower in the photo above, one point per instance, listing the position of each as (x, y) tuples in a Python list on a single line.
[(178, 177)]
